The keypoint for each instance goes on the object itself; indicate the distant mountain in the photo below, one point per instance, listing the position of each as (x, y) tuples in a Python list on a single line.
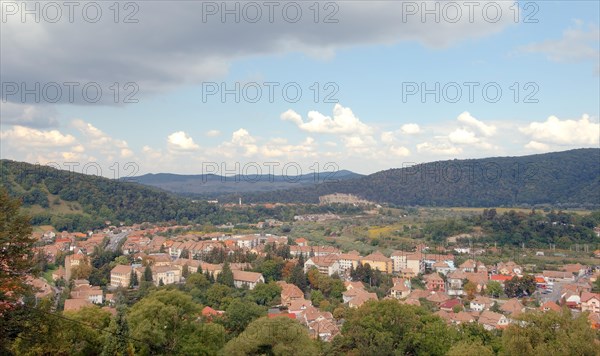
[(570, 177), (74, 201), (210, 185)]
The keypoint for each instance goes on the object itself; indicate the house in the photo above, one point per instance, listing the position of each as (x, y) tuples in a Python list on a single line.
[(434, 282), (552, 276), (298, 306), (401, 288), (550, 306), (120, 276), (245, 278), (590, 302), (301, 241), (442, 267), (454, 282), (90, 293), (378, 261), (355, 295), (41, 288), (479, 279), (438, 298), (164, 274), (348, 260), (289, 293), (308, 251), (58, 274), (159, 259), (509, 269), (360, 298), (571, 299), (491, 320), (409, 264), (468, 266), (449, 305), (327, 265), (512, 307), (324, 329), (76, 304), (575, 269), (481, 303), (209, 313)]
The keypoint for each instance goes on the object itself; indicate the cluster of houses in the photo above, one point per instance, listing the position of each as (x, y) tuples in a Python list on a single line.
[(444, 284)]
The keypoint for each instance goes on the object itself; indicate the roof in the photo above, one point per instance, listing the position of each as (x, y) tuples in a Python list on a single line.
[(586, 296), (512, 306), (376, 256), (490, 318), (434, 277), (482, 300), (449, 304), (500, 278), (76, 304), (550, 305), (290, 290), (245, 276), (121, 269)]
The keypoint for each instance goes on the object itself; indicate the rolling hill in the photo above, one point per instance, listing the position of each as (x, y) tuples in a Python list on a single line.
[(570, 178), (211, 185)]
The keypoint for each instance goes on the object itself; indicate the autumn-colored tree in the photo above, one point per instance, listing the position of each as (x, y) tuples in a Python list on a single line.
[(16, 254)]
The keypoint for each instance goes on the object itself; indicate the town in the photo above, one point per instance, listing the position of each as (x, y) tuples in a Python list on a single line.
[(491, 295)]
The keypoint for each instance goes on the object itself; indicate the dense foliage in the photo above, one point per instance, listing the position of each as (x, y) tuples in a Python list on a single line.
[(571, 178), (78, 202)]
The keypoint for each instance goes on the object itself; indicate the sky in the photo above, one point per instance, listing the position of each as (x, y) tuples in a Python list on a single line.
[(194, 87)]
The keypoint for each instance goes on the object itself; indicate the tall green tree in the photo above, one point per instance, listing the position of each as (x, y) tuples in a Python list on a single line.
[(226, 275), (117, 340), (16, 254), (148, 274), (276, 336)]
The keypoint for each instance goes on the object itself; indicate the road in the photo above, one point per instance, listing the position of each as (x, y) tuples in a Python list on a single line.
[(115, 239)]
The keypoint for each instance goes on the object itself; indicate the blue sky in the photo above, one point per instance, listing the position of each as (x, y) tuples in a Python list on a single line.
[(370, 57)]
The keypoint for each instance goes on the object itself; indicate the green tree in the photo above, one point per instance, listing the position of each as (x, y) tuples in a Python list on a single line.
[(16, 254), (266, 294), (240, 313), (470, 348), (276, 336), (551, 333), (157, 319), (316, 297), (494, 289), (148, 274), (226, 275), (133, 279), (390, 328), (117, 341)]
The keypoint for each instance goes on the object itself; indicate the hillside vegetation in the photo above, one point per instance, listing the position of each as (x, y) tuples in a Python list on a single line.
[(569, 179)]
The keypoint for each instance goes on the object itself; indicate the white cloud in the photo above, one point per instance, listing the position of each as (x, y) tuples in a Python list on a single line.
[(410, 129), (400, 151), (538, 146), (387, 137), (343, 122), (180, 141), (39, 116), (484, 129), (564, 132), (20, 136), (463, 137), (576, 44), (213, 133), (98, 140), (438, 148)]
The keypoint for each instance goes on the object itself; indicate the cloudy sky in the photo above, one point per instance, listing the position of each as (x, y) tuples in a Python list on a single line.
[(172, 86)]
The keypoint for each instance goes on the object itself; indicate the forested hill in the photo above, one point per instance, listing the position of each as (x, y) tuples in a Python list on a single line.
[(211, 185), (569, 178), (70, 200)]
